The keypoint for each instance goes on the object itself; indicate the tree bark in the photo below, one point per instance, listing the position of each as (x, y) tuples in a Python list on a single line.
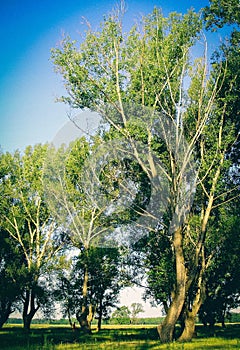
[(84, 317), (190, 315), (100, 315), (166, 329), (29, 304), (6, 310), (69, 317), (223, 318), (189, 327)]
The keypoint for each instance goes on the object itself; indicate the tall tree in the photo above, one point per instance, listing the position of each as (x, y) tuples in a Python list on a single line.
[(148, 67), (26, 218), (70, 188)]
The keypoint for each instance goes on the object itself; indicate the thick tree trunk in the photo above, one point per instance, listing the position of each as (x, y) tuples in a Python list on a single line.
[(166, 329), (189, 327), (6, 310), (85, 316), (190, 315), (29, 309)]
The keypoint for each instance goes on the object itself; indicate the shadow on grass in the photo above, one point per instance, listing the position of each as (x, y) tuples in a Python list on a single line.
[(230, 332), (14, 336), (38, 338)]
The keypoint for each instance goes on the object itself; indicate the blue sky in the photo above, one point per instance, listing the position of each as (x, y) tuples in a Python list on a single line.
[(28, 84)]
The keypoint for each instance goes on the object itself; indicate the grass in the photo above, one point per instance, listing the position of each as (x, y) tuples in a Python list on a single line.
[(53, 337)]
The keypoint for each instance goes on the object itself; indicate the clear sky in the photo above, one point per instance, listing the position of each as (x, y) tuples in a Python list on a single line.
[(28, 84)]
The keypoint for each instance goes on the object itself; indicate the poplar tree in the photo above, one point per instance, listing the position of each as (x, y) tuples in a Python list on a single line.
[(112, 72)]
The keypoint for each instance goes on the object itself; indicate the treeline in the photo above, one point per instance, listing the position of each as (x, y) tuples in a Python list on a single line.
[(232, 318), (152, 198), (111, 321)]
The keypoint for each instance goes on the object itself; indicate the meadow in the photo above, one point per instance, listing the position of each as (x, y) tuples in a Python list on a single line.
[(140, 337)]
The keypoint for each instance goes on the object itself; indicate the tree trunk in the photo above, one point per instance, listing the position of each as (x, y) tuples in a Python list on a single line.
[(29, 309), (166, 329), (223, 314), (190, 315), (6, 310), (84, 316), (189, 327), (69, 317), (100, 315), (91, 312)]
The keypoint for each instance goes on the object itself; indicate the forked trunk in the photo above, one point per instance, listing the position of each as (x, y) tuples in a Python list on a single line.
[(190, 315), (189, 323), (166, 329), (29, 309), (83, 320), (85, 316)]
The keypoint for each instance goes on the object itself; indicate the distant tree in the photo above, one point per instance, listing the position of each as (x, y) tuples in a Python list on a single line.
[(105, 280), (122, 315), (64, 291), (136, 308), (104, 284), (75, 211)]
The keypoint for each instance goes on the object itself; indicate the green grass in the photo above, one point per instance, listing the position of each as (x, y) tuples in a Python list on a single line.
[(55, 337)]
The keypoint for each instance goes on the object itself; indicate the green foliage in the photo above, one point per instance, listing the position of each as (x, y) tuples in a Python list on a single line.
[(121, 315), (222, 12), (223, 287), (159, 262), (234, 317), (148, 67), (26, 219), (104, 282), (136, 308), (109, 72), (110, 62), (11, 276)]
